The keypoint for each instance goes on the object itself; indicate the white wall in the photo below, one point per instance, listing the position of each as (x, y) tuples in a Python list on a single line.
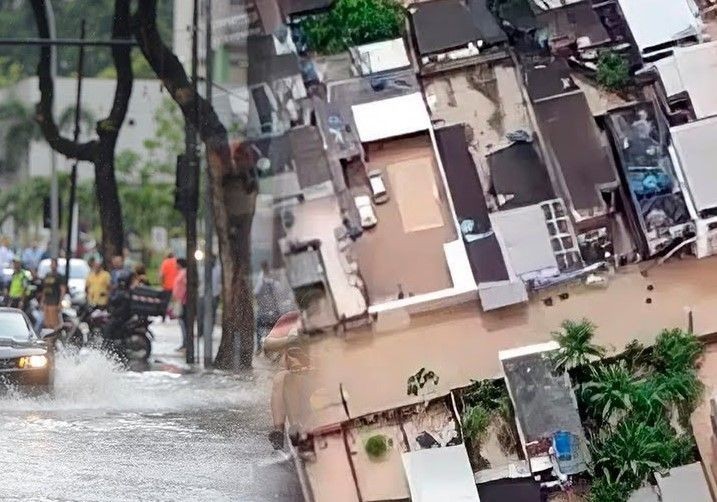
[(97, 95)]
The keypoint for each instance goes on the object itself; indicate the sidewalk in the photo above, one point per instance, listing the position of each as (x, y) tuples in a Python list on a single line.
[(168, 336)]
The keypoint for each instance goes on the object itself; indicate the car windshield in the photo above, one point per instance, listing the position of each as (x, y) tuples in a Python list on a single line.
[(14, 327), (78, 269)]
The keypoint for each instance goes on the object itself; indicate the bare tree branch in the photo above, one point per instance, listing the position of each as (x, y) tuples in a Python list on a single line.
[(43, 111)]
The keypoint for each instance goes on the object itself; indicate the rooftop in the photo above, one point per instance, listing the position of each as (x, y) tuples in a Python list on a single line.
[(488, 98), (519, 176), (641, 142), (484, 253), (298, 7), (525, 236), (266, 65), (382, 56), (294, 163), (572, 138), (552, 4), (317, 220), (686, 479), (544, 402), (574, 21), (443, 25), (513, 490), (656, 23), (407, 246), (391, 117), (696, 149), (692, 70)]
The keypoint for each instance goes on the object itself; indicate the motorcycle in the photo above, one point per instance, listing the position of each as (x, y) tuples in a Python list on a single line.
[(130, 340)]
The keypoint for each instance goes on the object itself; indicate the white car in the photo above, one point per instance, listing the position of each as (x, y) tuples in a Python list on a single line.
[(378, 186), (366, 212)]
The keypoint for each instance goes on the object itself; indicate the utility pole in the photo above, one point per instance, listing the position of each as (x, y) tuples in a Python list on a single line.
[(54, 188), (208, 213), (190, 133), (73, 175)]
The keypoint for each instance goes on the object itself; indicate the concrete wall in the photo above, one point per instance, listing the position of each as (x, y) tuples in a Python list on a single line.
[(97, 95)]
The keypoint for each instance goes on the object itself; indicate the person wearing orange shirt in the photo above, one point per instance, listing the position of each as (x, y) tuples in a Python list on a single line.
[(168, 272)]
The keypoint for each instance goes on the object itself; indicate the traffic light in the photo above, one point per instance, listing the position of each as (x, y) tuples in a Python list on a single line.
[(186, 192)]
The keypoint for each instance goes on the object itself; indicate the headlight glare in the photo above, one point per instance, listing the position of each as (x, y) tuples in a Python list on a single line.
[(33, 362)]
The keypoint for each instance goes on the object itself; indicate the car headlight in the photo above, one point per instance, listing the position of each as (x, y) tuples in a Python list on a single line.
[(33, 362)]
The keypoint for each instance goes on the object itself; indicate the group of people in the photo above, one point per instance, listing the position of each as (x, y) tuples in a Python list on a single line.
[(52, 288), (49, 290), (173, 278)]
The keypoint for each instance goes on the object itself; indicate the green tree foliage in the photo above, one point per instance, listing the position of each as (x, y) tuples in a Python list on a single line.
[(140, 68), (604, 489), (146, 188), (576, 347), (354, 22), (635, 399), (612, 391), (476, 420), (612, 70), (16, 21), (632, 450), (19, 129), (676, 350)]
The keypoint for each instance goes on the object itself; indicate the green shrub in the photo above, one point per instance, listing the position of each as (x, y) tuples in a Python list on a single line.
[(377, 446), (353, 22), (606, 490), (476, 420), (612, 388), (676, 350), (612, 70), (632, 450)]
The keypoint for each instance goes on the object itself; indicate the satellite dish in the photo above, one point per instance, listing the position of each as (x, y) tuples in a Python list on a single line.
[(263, 165)]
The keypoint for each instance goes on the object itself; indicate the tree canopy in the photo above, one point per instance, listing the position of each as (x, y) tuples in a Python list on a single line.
[(16, 21), (354, 22)]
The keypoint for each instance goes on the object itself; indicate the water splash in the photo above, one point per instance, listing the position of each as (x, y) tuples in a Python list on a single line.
[(92, 380)]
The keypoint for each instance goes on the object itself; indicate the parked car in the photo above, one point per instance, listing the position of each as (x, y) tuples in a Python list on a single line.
[(366, 212), (79, 270), (25, 359), (378, 186)]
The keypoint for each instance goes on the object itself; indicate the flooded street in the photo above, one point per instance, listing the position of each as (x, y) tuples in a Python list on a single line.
[(110, 435)]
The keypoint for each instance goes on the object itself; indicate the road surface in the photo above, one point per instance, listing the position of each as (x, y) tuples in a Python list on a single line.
[(111, 435)]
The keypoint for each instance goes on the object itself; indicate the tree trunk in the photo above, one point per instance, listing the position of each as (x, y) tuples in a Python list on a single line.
[(109, 203), (233, 192), (100, 151)]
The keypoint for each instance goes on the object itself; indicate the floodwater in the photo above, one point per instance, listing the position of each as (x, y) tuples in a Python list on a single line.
[(112, 435)]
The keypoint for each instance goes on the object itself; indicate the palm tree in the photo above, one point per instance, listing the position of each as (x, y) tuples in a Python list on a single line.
[(611, 391), (576, 347), (20, 131)]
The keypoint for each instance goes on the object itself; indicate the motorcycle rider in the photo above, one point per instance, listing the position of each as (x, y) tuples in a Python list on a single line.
[(119, 308)]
